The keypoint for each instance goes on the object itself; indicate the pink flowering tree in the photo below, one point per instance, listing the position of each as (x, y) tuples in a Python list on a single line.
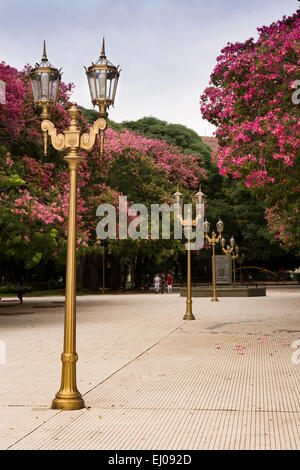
[(252, 102)]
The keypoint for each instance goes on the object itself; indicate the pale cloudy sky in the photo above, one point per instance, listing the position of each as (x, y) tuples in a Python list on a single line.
[(167, 48)]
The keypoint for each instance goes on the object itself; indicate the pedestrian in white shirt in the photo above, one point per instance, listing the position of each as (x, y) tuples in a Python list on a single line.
[(156, 283)]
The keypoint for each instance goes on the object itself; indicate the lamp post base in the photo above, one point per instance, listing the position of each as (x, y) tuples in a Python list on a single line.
[(214, 299), (73, 402), (189, 316)]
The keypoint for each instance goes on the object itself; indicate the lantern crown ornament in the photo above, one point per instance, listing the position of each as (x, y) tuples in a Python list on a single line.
[(103, 79), (199, 197), (178, 197), (45, 80)]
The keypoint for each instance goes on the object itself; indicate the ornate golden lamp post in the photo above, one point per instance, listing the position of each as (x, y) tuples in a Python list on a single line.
[(234, 255), (189, 223), (45, 82), (212, 241)]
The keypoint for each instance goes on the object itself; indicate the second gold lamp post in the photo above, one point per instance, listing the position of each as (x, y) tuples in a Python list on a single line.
[(189, 223), (102, 79), (212, 241)]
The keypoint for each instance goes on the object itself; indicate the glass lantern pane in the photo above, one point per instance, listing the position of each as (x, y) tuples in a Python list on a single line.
[(92, 85), (109, 87), (52, 86), (110, 84), (43, 82), (114, 88), (100, 79), (35, 89)]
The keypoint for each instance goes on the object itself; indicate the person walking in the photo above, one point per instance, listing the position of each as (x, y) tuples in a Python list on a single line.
[(20, 291), (156, 283), (163, 283), (169, 283)]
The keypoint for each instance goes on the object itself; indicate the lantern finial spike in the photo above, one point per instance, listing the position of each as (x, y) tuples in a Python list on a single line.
[(103, 48), (44, 51)]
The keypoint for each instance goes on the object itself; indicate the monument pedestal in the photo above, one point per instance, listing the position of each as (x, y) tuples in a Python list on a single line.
[(223, 269), (226, 291)]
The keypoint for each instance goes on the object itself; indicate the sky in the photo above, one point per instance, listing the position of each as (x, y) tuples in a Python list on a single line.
[(167, 49)]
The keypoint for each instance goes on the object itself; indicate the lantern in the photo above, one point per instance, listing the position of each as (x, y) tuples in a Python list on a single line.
[(178, 197), (206, 226), (45, 79), (220, 226), (103, 79)]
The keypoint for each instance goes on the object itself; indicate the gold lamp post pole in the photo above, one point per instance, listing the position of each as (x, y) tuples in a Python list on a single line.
[(189, 314), (45, 81), (189, 223), (68, 397), (212, 241)]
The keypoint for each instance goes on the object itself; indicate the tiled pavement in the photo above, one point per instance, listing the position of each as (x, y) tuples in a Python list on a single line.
[(152, 381)]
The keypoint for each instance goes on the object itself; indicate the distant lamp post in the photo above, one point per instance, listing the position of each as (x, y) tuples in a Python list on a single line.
[(212, 241), (232, 250), (45, 81), (189, 223)]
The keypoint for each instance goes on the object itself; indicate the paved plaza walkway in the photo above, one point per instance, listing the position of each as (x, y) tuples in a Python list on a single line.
[(151, 380)]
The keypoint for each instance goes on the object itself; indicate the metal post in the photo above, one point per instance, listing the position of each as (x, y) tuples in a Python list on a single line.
[(189, 315), (214, 298), (68, 397)]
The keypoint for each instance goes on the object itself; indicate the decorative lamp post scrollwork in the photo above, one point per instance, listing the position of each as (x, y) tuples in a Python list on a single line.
[(103, 79)]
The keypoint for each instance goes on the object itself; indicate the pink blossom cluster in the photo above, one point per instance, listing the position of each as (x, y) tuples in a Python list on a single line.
[(178, 166), (249, 100)]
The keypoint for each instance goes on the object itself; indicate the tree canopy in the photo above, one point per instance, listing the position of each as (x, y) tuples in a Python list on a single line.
[(34, 188)]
